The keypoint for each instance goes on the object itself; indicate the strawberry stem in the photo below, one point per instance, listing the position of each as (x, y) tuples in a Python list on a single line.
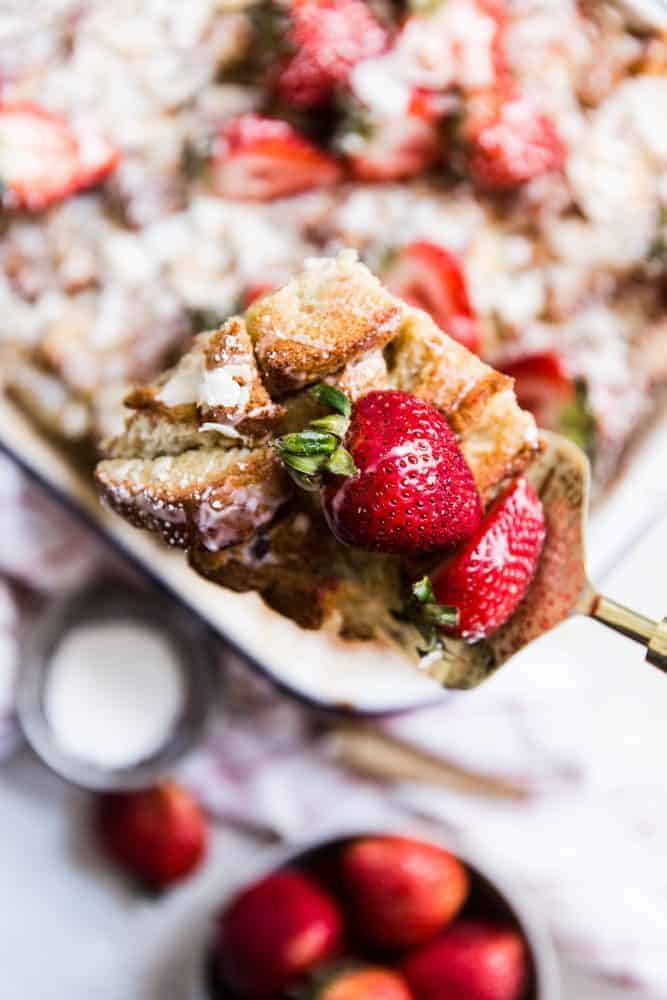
[(427, 616), (309, 453)]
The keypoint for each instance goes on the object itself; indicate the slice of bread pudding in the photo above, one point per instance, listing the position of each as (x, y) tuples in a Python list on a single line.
[(196, 463)]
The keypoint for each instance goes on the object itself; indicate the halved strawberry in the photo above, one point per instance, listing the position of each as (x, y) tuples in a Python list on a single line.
[(257, 159), (43, 160), (429, 277), (392, 149), (488, 578), (39, 160), (510, 143), (328, 37)]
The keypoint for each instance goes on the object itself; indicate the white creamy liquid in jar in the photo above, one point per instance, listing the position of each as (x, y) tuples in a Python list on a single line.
[(113, 693)]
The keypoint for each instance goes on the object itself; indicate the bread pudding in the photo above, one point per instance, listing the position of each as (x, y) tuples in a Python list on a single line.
[(207, 458)]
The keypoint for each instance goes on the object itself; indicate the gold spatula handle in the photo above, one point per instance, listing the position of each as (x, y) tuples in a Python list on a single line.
[(651, 634)]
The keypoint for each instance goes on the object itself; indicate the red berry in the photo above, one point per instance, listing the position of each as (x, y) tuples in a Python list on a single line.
[(257, 159), (366, 983), (489, 577), (157, 834), (512, 145), (276, 931), (394, 148), (329, 37), (427, 276), (471, 959), (254, 292), (41, 161), (413, 491), (543, 385), (402, 891)]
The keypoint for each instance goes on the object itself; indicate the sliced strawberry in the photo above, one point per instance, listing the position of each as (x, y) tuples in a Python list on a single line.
[(98, 157), (254, 292), (512, 144), (39, 160), (427, 276), (543, 385), (488, 578), (257, 159), (328, 37), (392, 149), (43, 160)]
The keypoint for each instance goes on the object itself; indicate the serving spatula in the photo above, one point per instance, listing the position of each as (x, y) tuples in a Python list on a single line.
[(561, 586)]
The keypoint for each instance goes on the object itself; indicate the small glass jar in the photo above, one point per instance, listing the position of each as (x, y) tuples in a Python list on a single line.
[(107, 602)]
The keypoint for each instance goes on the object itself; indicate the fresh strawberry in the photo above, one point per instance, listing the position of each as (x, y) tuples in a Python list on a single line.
[(257, 159), (511, 144), (427, 276), (402, 891), (471, 959), (254, 292), (42, 160), (98, 157), (39, 160), (328, 37), (544, 385), (357, 983), (488, 578), (392, 149), (403, 486), (275, 932), (157, 834)]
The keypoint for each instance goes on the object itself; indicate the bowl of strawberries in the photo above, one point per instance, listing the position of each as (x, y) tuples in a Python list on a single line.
[(378, 916)]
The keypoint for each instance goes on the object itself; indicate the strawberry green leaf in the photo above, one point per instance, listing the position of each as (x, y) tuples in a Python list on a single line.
[(423, 591), (307, 465), (308, 442), (333, 398), (341, 463), (334, 423)]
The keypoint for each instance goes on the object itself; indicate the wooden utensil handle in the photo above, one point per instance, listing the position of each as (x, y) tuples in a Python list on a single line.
[(651, 634)]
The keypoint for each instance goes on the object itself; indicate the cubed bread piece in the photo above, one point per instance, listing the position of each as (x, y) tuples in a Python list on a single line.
[(303, 573), (332, 313), (213, 497), (211, 398), (497, 437)]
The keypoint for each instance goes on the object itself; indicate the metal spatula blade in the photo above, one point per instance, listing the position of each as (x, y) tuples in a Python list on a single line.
[(561, 586)]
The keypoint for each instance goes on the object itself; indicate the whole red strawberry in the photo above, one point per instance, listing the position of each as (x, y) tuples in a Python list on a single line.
[(513, 144), (402, 891), (357, 983), (256, 159), (413, 491), (400, 484), (157, 834), (328, 37), (471, 959), (427, 276), (489, 577), (274, 932)]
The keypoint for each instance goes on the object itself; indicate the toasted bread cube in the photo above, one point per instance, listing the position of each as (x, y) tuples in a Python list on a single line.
[(212, 397), (497, 437), (215, 497), (332, 313)]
